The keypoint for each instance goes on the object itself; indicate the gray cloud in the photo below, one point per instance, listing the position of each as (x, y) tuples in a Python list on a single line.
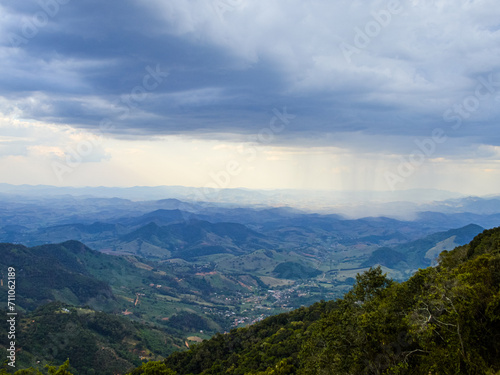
[(228, 69)]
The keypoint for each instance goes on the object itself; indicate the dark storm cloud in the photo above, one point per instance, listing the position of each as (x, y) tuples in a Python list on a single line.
[(213, 72)]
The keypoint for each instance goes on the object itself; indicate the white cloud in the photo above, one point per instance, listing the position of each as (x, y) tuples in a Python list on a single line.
[(44, 141)]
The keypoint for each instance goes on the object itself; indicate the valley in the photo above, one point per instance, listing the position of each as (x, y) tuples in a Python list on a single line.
[(185, 271)]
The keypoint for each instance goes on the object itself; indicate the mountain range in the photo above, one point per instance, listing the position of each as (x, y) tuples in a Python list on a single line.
[(182, 271)]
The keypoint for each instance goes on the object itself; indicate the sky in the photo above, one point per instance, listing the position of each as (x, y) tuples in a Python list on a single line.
[(296, 94)]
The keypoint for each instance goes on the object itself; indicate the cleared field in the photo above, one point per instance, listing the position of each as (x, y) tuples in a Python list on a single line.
[(272, 281)]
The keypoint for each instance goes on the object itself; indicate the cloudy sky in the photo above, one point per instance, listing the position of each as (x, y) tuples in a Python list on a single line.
[(309, 94)]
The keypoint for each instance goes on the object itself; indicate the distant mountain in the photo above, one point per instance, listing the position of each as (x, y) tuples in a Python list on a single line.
[(195, 238), (423, 252), (443, 221), (471, 205), (159, 217), (159, 230), (345, 202)]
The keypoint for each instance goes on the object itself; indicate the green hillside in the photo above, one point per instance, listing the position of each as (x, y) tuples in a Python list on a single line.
[(95, 342), (192, 239), (422, 253), (292, 270), (181, 302), (144, 290), (57, 272), (443, 320)]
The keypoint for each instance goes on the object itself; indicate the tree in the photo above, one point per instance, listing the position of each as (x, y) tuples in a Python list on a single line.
[(51, 370), (153, 368), (369, 284)]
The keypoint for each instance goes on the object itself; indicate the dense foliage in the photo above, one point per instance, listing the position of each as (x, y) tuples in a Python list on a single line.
[(443, 320), (50, 370), (95, 342)]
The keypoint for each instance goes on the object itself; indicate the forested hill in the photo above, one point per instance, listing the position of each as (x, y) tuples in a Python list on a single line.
[(443, 320), (59, 272)]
